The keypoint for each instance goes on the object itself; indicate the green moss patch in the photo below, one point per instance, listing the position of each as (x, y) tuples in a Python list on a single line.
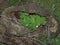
[(31, 21)]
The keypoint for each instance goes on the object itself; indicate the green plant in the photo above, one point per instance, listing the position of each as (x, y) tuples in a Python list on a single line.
[(32, 21), (12, 2), (56, 40)]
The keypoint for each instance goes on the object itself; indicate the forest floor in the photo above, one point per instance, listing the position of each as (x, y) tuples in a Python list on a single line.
[(52, 5)]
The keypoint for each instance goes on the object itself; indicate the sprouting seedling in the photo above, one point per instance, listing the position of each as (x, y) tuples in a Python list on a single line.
[(32, 21)]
